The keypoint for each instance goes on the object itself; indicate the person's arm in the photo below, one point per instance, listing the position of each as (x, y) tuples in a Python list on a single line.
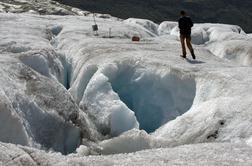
[(191, 23), (179, 23)]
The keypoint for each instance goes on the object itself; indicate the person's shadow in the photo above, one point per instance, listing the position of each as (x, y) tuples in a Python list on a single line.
[(194, 61)]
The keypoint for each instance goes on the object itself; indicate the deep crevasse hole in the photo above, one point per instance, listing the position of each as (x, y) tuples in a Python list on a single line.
[(155, 99), (123, 95)]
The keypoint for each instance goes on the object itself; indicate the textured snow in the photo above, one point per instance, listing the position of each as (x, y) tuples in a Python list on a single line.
[(198, 154), (37, 110), (62, 87), (225, 41), (147, 25)]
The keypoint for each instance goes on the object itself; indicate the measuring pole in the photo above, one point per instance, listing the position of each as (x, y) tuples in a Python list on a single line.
[(95, 26), (94, 18)]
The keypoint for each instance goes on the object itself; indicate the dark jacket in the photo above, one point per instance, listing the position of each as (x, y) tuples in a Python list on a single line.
[(185, 25)]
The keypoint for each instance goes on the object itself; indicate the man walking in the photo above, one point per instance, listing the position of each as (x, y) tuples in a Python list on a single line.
[(185, 25)]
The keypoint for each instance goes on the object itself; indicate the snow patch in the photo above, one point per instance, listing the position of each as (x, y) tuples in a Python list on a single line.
[(110, 114), (150, 27), (46, 62), (83, 150), (199, 36), (166, 27), (79, 85), (11, 130), (37, 62), (131, 141), (220, 32), (239, 51), (46, 128)]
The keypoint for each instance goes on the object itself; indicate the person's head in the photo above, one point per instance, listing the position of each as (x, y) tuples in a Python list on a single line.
[(182, 13)]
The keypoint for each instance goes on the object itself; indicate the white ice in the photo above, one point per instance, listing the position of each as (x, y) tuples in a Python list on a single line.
[(210, 154), (61, 87)]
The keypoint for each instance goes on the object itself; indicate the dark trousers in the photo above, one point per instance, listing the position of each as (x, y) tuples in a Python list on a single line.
[(186, 39)]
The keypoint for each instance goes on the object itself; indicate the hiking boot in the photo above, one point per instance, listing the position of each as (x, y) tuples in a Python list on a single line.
[(193, 55), (183, 56)]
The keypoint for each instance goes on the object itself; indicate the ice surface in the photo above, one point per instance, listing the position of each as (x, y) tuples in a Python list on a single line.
[(38, 63), (61, 87), (81, 82), (131, 141), (225, 41), (166, 27), (110, 114), (154, 99), (198, 154), (13, 130), (38, 110), (147, 25), (238, 51)]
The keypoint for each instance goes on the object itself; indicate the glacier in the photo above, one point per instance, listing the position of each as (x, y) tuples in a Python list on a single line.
[(199, 154), (69, 97)]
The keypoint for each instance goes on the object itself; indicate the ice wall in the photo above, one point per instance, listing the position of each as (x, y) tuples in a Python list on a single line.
[(154, 98), (119, 96)]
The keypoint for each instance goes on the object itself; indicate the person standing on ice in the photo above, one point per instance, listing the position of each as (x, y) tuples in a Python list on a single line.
[(185, 25)]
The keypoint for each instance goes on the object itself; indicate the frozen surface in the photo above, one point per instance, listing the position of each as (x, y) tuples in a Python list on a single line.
[(111, 115), (198, 154), (36, 111), (225, 41), (154, 98), (146, 25), (62, 87)]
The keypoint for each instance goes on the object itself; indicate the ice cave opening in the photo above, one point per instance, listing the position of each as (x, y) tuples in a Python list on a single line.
[(155, 99)]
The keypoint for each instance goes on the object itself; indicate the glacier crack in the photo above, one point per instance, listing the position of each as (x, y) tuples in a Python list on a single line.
[(155, 99)]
